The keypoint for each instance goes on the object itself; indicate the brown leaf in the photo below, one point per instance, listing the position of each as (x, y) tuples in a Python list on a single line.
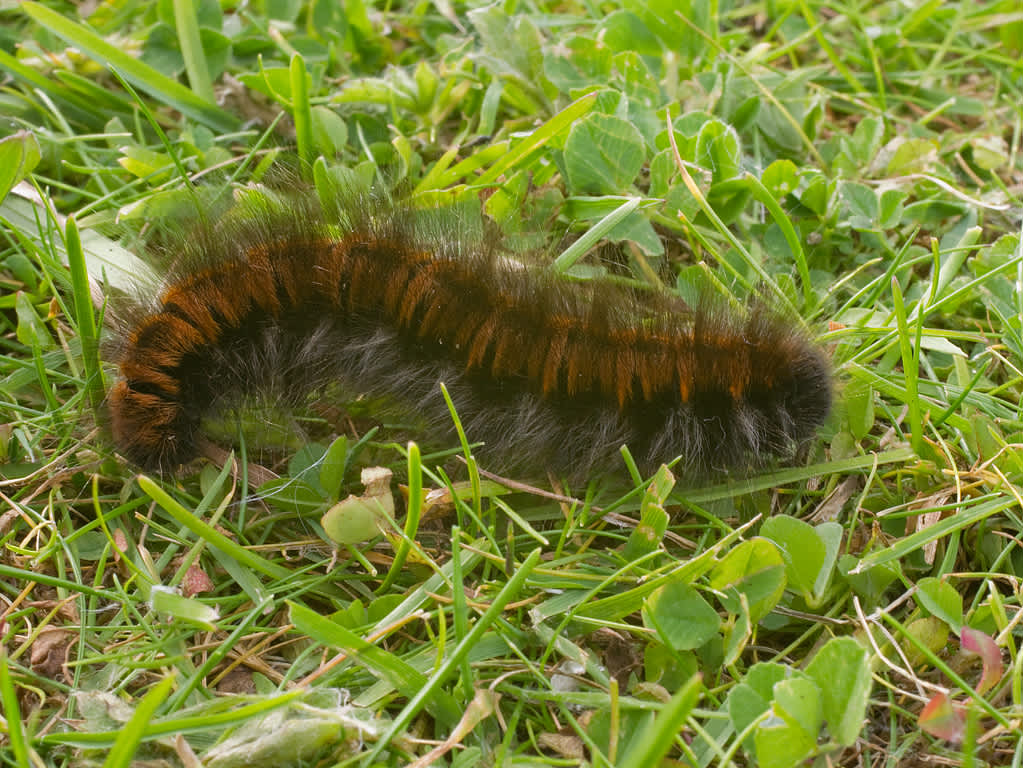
[(49, 653), (66, 609), (238, 680), (570, 747), (620, 656)]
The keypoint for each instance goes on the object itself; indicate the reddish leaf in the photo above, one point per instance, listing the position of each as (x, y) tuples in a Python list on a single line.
[(984, 646), (195, 581), (943, 719)]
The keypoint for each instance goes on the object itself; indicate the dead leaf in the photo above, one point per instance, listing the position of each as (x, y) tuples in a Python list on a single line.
[(49, 653), (563, 744), (238, 681)]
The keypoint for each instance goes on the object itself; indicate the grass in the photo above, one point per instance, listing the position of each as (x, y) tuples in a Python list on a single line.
[(861, 164)]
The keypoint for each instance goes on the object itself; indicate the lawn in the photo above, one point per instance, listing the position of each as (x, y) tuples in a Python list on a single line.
[(331, 583)]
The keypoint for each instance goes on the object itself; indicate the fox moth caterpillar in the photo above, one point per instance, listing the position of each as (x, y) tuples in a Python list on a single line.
[(549, 373)]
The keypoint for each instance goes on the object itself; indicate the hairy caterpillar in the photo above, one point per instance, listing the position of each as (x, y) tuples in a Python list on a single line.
[(548, 373)]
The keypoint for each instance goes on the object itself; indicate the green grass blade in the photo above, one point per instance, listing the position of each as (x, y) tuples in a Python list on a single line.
[(181, 725), (187, 23), (723, 228), (20, 575), (653, 744), (970, 513), (414, 505), (85, 319), (401, 676), (594, 235), (12, 713), (538, 138), (131, 734), (911, 369), (301, 113), (761, 193), (196, 680), (140, 74), (510, 590), (210, 534)]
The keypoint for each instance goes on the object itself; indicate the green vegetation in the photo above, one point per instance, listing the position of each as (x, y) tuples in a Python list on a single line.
[(860, 163)]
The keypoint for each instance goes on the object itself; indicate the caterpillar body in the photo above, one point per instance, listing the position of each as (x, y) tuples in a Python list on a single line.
[(548, 373)]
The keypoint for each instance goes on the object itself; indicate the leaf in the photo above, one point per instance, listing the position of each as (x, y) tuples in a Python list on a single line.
[(737, 634), (359, 518), (815, 191), (680, 616), (798, 701), (31, 330), (975, 641), (667, 668), (566, 119), (742, 117), (831, 535), (939, 598), (195, 581), (717, 149), (744, 706), (782, 744), (329, 131), (603, 155), (892, 208), (625, 31), (728, 198), (913, 156), (802, 549), (967, 516), (143, 163), (865, 141), (752, 697), (931, 632), (859, 407), (990, 152), (131, 733), (941, 718), (764, 675), (332, 468), (289, 736), (578, 62), (755, 568), (841, 670), (861, 204), (664, 18), (19, 154), (653, 521), (780, 178)]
